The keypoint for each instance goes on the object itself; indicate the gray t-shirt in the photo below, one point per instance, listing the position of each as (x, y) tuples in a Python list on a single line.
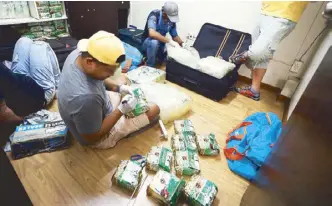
[(83, 101)]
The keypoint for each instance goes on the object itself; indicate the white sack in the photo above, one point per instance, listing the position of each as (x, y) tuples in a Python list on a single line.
[(215, 67), (183, 56)]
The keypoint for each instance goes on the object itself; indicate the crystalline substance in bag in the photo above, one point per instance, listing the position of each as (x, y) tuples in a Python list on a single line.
[(184, 126), (207, 144), (186, 163), (172, 102), (159, 157), (145, 74), (200, 191), (142, 105), (165, 187), (128, 175), (182, 142)]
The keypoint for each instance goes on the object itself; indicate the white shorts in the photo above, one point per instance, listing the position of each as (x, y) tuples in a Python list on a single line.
[(123, 127), (266, 38)]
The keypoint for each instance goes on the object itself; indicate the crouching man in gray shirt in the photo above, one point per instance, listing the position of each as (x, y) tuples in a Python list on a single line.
[(93, 115)]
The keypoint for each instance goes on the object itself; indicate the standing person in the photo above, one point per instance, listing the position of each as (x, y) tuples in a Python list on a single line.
[(93, 115), (159, 23), (31, 82), (278, 19)]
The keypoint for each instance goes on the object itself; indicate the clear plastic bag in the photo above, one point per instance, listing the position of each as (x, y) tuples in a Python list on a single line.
[(215, 67), (188, 57), (173, 103)]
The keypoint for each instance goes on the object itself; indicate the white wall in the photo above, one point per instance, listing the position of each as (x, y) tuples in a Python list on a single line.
[(243, 16), (311, 69)]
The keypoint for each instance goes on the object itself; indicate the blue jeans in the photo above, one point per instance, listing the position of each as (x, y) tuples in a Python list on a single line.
[(155, 51), (38, 61)]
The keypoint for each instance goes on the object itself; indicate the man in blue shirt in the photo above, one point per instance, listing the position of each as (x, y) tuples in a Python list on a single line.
[(159, 23)]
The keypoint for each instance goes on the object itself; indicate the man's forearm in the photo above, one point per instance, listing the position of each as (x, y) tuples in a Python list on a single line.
[(178, 40), (106, 126), (156, 35), (111, 85)]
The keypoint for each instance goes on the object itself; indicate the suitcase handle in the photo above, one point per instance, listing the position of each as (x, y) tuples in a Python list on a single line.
[(190, 81)]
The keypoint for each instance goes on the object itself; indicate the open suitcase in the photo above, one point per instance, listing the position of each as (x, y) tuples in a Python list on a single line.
[(212, 40)]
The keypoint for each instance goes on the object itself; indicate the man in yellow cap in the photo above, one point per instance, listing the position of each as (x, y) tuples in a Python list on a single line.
[(93, 115), (278, 19)]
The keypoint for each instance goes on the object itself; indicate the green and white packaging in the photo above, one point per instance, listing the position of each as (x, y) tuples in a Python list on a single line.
[(207, 144), (184, 126), (141, 106), (159, 158), (128, 175), (182, 142), (165, 187), (200, 191), (186, 163)]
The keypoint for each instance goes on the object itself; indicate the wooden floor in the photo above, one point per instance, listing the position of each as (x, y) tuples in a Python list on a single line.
[(81, 176)]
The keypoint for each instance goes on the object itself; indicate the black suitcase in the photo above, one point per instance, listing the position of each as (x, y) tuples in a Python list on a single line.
[(132, 36), (212, 40), (62, 47)]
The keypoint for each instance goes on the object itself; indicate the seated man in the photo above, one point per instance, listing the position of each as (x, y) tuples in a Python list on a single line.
[(93, 115), (30, 84), (158, 24)]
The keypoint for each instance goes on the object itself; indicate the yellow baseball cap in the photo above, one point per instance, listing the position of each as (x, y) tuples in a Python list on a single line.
[(103, 46)]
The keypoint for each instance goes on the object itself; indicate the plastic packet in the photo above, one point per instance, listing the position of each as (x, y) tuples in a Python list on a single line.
[(207, 144), (200, 191), (43, 9), (128, 174), (44, 15), (54, 9), (59, 24), (47, 23), (165, 187), (54, 3), (58, 32), (42, 3), (36, 28), (48, 28), (142, 105), (146, 74), (186, 163), (56, 15), (184, 126), (159, 157), (182, 142), (172, 103)]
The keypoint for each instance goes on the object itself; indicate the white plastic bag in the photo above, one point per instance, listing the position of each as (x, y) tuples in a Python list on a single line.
[(183, 56), (215, 67), (173, 103)]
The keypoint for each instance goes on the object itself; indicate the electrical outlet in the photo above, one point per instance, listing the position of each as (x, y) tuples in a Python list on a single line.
[(296, 67)]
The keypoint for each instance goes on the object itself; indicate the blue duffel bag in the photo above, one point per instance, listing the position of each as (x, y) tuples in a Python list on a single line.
[(248, 144)]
